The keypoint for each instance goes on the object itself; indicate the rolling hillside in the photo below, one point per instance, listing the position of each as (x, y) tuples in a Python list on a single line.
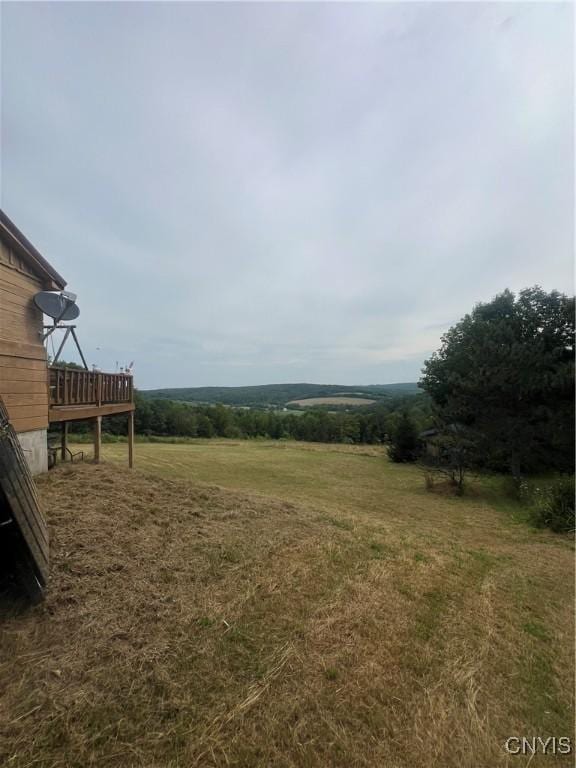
[(279, 394), (264, 604)]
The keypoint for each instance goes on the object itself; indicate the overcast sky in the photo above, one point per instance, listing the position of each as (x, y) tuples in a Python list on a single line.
[(259, 193)]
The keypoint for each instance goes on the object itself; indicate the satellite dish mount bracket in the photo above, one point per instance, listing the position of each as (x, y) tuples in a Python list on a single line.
[(59, 306), (70, 330)]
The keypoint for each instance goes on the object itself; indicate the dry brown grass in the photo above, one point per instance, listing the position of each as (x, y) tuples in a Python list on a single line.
[(189, 625)]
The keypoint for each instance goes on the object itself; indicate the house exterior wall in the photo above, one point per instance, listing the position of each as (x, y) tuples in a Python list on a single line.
[(23, 369), (35, 447)]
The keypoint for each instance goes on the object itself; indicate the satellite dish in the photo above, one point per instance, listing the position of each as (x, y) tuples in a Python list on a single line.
[(59, 306)]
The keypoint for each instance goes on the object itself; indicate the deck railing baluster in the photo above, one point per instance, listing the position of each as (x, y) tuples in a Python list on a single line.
[(72, 387)]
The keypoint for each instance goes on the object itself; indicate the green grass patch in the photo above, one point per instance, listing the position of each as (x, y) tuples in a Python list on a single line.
[(536, 629)]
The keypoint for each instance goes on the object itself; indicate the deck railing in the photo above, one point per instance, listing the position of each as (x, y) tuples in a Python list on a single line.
[(70, 386)]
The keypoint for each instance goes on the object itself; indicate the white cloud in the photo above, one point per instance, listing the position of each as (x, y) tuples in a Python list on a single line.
[(245, 193)]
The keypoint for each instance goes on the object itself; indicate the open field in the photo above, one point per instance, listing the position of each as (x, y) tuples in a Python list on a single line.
[(265, 604), (312, 401)]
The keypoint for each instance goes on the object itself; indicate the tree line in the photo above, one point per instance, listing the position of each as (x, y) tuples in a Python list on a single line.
[(277, 395), (170, 418)]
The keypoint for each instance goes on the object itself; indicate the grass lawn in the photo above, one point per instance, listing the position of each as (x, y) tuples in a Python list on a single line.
[(236, 603)]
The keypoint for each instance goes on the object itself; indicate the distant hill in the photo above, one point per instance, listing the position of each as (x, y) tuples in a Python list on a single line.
[(279, 394)]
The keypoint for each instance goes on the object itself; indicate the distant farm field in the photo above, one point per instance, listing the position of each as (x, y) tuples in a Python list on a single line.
[(261, 603), (309, 402)]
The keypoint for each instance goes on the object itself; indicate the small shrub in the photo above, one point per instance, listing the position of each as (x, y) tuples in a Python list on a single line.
[(518, 489), (404, 441), (443, 480), (554, 506), (108, 438)]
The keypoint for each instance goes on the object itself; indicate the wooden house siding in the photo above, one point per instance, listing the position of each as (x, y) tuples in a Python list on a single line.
[(35, 395), (23, 371)]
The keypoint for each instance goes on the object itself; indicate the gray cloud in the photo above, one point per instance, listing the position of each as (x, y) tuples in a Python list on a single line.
[(248, 193)]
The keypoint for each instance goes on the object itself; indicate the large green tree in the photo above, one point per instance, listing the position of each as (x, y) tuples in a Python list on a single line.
[(506, 372)]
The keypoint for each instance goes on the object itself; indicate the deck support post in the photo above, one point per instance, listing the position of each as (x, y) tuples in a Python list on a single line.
[(131, 439), (97, 438), (64, 441)]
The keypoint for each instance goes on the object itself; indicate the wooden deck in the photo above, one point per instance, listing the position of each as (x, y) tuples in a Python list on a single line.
[(77, 394)]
